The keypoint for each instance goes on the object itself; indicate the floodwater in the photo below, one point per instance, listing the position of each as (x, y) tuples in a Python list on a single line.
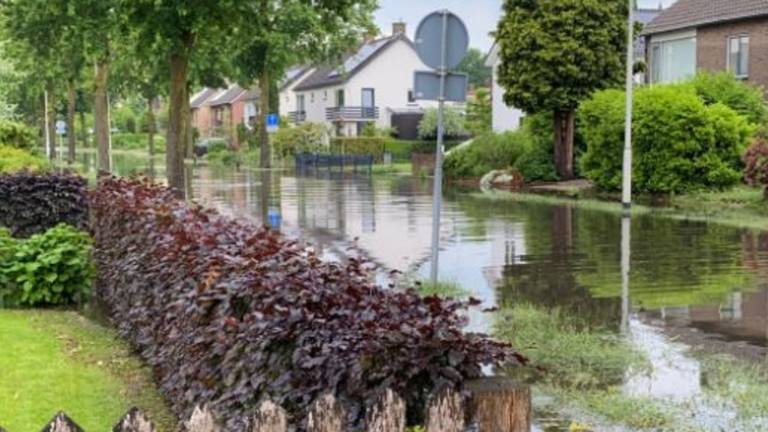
[(703, 280)]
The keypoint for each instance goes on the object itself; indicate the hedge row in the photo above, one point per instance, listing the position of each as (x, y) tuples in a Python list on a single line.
[(373, 146), (33, 203), (229, 314)]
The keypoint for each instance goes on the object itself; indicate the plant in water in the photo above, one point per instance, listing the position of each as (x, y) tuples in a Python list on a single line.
[(53, 268)]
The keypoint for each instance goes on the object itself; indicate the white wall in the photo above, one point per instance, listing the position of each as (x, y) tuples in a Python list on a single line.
[(288, 96), (317, 100), (504, 117)]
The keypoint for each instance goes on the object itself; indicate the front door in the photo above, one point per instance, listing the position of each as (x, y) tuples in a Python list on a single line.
[(368, 99)]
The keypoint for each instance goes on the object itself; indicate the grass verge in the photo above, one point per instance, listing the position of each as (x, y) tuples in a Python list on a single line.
[(393, 168), (60, 361)]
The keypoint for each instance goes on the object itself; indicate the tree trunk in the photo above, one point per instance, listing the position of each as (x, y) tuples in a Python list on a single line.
[(266, 156), (500, 405), (177, 119), (151, 136), (83, 130), (101, 116), (52, 117), (564, 129), (71, 128)]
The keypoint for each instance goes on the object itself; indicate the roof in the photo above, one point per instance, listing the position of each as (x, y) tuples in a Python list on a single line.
[(227, 96), (252, 94), (293, 74), (329, 75), (202, 96), (687, 14)]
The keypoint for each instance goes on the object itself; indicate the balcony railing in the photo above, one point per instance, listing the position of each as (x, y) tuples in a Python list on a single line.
[(297, 116), (351, 113)]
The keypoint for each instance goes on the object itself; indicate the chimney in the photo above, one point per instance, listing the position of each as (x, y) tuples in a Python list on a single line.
[(398, 28)]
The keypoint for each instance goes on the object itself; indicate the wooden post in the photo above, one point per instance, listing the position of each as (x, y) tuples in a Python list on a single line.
[(387, 415), (62, 423), (499, 405), (445, 412), (325, 415), (269, 418), (202, 420), (134, 421)]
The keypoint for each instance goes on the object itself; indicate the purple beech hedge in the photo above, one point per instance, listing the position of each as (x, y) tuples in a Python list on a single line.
[(228, 314), (31, 203)]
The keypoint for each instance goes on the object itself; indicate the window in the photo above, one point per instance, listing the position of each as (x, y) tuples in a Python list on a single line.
[(340, 98), (738, 56), (325, 95), (673, 60), (368, 99), (300, 103), (410, 96), (312, 97)]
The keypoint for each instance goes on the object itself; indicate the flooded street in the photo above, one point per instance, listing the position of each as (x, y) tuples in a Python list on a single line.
[(692, 286)]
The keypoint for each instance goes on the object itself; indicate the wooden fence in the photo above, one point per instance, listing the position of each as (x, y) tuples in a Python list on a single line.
[(494, 405)]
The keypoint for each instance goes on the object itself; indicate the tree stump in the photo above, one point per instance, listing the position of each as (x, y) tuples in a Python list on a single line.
[(325, 415), (61, 423), (499, 405), (202, 420), (134, 421), (445, 412), (387, 415), (269, 418)]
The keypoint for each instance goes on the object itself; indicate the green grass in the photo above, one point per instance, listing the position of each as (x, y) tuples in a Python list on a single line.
[(742, 383), (393, 168), (59, 360), (441, 289)]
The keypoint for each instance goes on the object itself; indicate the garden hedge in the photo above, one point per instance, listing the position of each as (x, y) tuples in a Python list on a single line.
[(228, 314), (33, 203), (373, 146)]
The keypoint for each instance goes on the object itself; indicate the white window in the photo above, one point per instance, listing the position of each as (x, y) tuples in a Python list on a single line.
[(738, 56), (673, 60)]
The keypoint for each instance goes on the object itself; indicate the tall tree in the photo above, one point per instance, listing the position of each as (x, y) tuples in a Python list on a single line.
[(473, 64), (277, 34), (554, 54)]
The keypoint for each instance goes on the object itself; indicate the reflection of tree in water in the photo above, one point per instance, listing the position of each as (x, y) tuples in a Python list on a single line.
[(547, 275)]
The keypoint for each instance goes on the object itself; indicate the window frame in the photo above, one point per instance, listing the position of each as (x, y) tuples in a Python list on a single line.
[(729, 40)]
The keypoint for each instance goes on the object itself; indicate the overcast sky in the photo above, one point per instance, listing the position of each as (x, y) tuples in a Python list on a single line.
[(480, 16)]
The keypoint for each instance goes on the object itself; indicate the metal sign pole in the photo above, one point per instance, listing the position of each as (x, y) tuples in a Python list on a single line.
[(46, 128), (626, 193), (438, 188)]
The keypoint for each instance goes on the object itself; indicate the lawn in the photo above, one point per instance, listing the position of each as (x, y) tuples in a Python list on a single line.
[(59, 360)]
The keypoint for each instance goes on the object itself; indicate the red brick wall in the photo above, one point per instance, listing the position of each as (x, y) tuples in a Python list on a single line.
[(711, 47)]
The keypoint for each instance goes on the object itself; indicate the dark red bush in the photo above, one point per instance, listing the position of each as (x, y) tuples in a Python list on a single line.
[(32, 203), (756, 165), (230, 314)]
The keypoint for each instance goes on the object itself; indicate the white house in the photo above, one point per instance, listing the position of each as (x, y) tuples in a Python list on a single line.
[(504, 117), (293, 77), (368, 86)]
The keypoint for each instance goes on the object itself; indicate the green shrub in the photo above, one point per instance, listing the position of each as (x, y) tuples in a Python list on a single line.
[(487, 152), (373, 146), (13, 159), (453, 121), (306, 137), (18, 135), (680, 144), (137, 141), (53, 268), (756, 165), (216, 145), (744, 98), (371, 130), (537, 162), (125, 119)]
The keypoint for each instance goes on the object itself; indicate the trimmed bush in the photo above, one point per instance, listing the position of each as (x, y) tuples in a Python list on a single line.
[(306, 137), (537, 162), (49, 269), (741, 96), (33, 203), (680, 144), (13, 160), (228, 314), (756, 165), (18, 135), (487, 152), (453, 120), (373, 146)]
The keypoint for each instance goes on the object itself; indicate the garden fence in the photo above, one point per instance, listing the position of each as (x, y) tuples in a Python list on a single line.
[(493, 405), (315, 161)]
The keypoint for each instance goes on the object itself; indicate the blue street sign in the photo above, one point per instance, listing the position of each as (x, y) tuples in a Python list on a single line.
[(273, 123), (275, 218)]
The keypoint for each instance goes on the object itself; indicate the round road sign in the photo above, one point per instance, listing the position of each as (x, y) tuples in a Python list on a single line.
[(429, 39)]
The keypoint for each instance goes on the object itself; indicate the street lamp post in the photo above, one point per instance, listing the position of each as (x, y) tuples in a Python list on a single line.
[(626, 192)]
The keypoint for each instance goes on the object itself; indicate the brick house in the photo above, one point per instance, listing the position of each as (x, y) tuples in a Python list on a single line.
[(217, 113), (709, 35)]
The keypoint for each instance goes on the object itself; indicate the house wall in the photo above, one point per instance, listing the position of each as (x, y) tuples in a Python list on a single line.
[(201, 119), (288, 97), (712, 41), (504, 118)]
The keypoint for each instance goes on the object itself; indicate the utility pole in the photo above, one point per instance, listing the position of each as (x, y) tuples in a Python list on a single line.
[(626, 192)]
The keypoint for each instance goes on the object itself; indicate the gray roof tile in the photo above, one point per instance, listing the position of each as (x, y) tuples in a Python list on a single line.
[(685, 14)]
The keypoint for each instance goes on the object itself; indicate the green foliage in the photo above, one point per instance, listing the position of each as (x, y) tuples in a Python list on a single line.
[(306, 137), (546, 65), (680, 144), (13, 159), (137, 141), (373, 146), (216, 145), (17, 135), (125, 119), (453, 121), (756, 165), (473, 64), (371, 130), (53, 268), (487, 152), (479, 112), (741, 96)]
